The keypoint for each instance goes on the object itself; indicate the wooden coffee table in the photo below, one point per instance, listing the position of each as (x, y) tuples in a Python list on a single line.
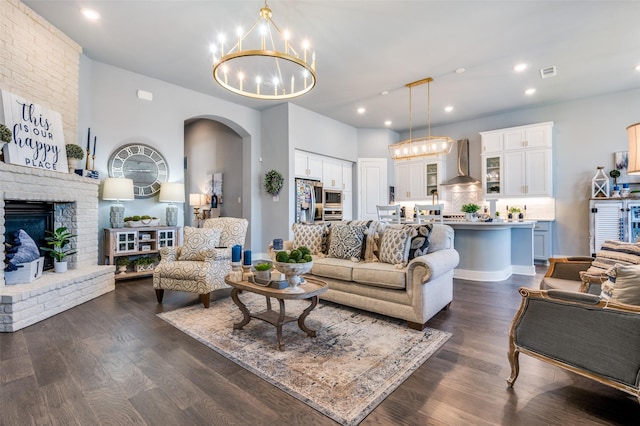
[(312, 288)]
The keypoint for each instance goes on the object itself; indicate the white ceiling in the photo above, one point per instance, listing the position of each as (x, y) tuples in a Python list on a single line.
[(365, 47)]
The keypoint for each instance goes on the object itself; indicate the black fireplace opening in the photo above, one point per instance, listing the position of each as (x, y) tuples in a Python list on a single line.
[(35, 218)]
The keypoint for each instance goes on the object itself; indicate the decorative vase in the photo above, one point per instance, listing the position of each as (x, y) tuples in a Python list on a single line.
[(293, 271), (74, 163), (122, 269), (60, 266), (263, 275)]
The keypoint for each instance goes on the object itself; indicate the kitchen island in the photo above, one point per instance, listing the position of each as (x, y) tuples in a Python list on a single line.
[(493, 251)]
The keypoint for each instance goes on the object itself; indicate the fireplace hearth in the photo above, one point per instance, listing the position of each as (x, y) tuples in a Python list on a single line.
[(75, 206)]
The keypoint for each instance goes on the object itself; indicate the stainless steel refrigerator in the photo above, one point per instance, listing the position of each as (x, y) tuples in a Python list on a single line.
[(308, 200)]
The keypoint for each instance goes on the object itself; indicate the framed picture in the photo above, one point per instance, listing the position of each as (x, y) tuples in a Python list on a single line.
[(621, 163), (392, 194)]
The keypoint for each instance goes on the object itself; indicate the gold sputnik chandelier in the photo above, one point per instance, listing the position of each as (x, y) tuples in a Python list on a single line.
[(263, 63), (425, 146)]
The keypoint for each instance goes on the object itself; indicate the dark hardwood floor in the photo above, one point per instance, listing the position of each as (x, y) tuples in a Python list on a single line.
[(111, 361)]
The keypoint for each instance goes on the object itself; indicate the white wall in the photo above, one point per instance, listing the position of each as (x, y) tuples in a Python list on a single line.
[(586, 133), (117, 117)]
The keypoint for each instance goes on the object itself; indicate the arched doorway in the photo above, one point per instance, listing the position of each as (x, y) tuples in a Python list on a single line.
[(211, 147)]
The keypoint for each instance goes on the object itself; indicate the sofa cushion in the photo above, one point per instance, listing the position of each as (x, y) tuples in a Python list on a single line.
[(347, 241), (419, 244), (328, 267), (394, 244), (623, 285), (380, 275), (197, 241), (310, 236), (549, 283)]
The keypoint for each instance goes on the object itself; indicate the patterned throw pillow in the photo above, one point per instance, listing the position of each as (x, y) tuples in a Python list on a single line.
[(612, 253), (420, 242), (197, 241), (310, 236), (394, 245), (347, 241)]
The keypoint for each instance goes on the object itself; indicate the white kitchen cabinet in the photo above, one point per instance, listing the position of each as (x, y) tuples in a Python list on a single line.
[(492, 142), (331, 173), (492, 175), (347, 176), (434, 175), (307, 165), (534, 136), (410, 176), (542, 238), (347, 205), (528, 173), (525, 168)]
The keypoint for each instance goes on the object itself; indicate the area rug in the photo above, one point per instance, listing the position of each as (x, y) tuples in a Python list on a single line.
[(354, 363)]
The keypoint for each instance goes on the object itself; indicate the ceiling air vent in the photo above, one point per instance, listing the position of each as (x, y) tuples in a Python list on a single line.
[(548, 72)]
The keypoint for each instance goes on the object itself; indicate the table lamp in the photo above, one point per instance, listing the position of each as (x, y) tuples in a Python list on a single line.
[(197, 200), (117, 189), (172, 192)]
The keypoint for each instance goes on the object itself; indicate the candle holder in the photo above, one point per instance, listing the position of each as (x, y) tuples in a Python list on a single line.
[(93, 162), (87, 163)]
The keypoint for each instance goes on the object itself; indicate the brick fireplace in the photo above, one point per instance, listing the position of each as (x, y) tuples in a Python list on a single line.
[(76, 207)]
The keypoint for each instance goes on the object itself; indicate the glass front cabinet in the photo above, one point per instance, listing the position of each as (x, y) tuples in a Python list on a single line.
[(492, 175)]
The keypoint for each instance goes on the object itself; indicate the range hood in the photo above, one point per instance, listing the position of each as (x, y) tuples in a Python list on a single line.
[(463, 177)]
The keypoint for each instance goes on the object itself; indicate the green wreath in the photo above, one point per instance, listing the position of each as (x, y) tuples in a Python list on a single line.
[(273, 182)]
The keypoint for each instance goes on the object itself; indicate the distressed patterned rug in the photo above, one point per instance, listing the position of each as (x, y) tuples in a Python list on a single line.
[(354, 363)]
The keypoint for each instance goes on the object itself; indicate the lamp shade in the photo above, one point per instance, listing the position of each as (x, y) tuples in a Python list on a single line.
[(197, 199), (633, 132), (119, 189), (171, 192)]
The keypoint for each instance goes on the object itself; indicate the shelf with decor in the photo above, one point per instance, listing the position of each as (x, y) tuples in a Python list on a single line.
[(134, 243)]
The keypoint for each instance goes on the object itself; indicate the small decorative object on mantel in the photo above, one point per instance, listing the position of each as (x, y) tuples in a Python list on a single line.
[(615, 174), (75, 154), (600, 184), (273, 182), (5, 137)]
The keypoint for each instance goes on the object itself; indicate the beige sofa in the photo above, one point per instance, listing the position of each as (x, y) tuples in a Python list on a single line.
[(415, 292)]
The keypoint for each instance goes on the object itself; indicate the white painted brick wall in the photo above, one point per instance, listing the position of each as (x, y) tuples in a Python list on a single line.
[(40, 63)]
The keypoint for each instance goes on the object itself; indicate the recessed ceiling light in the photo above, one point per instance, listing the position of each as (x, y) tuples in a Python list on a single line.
[(361, 110), (530, 91), (90, 14), (387, 123), (448, 108), (460, 70), (520, 67), (637, 68), (384, 92)]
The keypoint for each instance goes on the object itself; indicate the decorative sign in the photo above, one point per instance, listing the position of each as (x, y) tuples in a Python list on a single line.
[(37, 135)]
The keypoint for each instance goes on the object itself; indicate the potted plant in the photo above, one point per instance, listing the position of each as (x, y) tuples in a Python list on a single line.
[(122, 263), (515, 210), (470, 210), (75, 154), (5, 137), (59, 240), (263, 271), (145, 263)]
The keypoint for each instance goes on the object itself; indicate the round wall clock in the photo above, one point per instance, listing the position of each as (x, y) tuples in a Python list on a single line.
[(141, 163)]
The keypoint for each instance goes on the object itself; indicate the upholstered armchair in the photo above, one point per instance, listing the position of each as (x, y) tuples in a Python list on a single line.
[(580, 332), (201, 263)]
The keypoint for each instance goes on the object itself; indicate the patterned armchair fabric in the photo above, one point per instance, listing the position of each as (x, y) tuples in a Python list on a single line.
[(208, 259)]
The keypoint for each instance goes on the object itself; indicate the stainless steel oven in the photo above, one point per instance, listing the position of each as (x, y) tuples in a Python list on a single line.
[(332, 214)]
